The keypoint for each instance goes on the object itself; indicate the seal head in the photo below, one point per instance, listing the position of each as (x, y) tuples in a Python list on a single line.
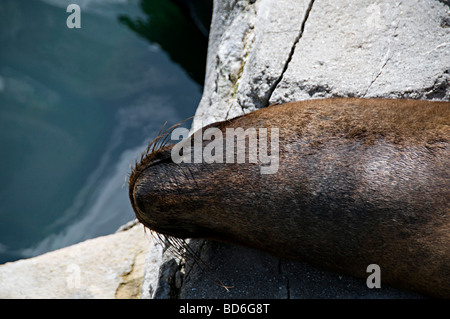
[(359, 181)]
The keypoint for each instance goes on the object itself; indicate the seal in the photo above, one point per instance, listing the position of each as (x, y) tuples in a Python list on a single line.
[(358, 182)]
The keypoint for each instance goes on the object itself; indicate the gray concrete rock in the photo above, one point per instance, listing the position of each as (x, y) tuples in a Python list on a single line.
[(229, 45), (238, 272), (105, 267), (267, 51), (370, 49), (272, 51)]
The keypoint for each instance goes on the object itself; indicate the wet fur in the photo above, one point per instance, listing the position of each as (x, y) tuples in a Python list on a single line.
[(360, 181)]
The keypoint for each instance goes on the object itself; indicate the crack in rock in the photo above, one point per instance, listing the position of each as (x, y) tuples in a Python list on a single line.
[(291, 53), (383, 64)]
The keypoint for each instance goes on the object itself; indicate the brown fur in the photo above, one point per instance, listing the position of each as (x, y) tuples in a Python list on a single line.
[(360, 181)]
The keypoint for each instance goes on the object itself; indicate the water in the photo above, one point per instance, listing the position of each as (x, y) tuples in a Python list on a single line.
[(77, 107)]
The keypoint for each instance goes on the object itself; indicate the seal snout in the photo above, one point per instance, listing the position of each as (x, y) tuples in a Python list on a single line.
[(152, 203), (144, 186), (153, 191), (139, 199)]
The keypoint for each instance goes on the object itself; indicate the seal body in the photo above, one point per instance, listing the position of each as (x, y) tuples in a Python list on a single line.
[(358, 182)]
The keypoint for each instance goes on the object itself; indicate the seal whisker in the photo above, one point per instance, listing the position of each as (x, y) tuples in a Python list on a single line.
[(157, 139), (196, 259), (180, 249), (192, 177), (164, 136), (158, 143)]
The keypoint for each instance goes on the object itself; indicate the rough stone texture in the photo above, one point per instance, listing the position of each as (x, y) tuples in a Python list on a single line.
[(105, 267), (163, 273), (395, 49), (271, 51), (252, 274)]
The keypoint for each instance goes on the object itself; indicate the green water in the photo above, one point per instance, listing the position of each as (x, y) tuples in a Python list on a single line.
[(77, 106)]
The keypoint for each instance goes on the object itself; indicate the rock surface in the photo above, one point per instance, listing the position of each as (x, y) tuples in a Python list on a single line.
[(105, 267), (264, 52), (272, 51)]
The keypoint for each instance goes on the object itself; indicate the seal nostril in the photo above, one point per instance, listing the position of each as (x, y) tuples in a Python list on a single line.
[(136, 193), (138, 199), (137, 203), (142, 200)]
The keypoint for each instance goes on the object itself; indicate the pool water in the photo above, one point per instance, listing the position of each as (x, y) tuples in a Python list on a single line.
[(78, 106)]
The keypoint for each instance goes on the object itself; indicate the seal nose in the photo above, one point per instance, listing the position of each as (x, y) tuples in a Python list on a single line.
[(140, 196), (143, 186), (147, 200), (137, 199), (147, 192)]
